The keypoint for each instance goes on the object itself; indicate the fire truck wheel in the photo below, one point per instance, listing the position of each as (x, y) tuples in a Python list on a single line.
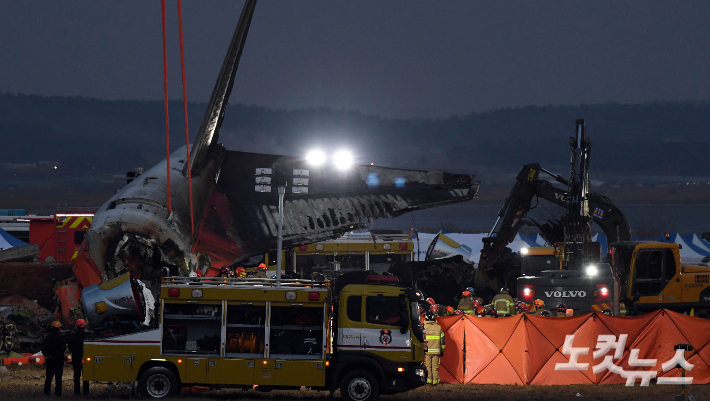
[(359, 386), (158, 382)]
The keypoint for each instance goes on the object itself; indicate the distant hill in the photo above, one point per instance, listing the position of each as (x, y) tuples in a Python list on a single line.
[(88, 137)]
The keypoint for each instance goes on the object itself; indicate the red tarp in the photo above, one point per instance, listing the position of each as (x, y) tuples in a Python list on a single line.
[(526, 349)]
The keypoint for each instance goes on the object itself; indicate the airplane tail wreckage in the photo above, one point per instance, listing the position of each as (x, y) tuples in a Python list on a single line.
[(233, 211)]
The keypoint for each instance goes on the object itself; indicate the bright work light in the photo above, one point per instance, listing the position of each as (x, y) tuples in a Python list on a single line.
[(315, 157), (591, 270), (343, 159)]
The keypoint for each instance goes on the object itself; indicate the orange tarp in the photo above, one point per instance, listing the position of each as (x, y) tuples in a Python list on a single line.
[(527, 349)]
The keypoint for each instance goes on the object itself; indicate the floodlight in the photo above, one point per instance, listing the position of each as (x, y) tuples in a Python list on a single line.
[(343, 159), (315, 157)]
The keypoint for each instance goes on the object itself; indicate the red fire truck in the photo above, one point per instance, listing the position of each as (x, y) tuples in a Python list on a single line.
[(59, 235)]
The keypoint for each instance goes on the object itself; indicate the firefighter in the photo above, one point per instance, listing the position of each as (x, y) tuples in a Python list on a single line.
[(240, 272), (53, 349), (539, 307), (449, 310), (435, 348), (504, 303), (491, 313), (466, 302), (561, 310), (260, 271), (76, 347)]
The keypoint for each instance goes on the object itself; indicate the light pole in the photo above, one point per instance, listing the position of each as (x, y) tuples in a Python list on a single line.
[(263, 181), (279, 240)]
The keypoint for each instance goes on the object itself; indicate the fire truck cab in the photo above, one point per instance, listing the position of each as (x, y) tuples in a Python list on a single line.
[(223, 333)]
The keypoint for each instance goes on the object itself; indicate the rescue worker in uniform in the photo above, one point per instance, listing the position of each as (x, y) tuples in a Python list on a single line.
[(435, 348), (561, 310), (261, 271), (466, 302), (503, 303), (76, 346), (539, 307), (53, 349)]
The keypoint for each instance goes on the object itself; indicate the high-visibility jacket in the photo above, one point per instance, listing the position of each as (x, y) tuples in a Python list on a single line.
[(503, 303), (434, 338), (466, 304)]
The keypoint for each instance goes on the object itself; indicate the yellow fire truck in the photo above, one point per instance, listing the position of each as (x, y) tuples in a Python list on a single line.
[(221, 333)]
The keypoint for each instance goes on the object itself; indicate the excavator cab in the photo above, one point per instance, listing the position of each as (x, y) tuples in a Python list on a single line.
[(535, 260)]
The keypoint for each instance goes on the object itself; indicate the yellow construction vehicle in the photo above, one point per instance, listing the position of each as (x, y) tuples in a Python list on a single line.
[(536, 259), (353, 252), (222, 332), (653, 277)]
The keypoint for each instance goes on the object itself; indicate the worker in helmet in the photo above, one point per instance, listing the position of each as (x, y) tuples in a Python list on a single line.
[(76, 347), (53, 349), (435, 348), (539, 307), (449, 310), (503, 303), (240, 272), (261, 271), (561, 310), (491, 313), (466, 302)]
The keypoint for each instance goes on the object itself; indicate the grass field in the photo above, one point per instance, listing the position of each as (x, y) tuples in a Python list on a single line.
[(24, 383)]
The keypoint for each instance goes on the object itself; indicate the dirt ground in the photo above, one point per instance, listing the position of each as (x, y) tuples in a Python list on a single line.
[(24, 383)]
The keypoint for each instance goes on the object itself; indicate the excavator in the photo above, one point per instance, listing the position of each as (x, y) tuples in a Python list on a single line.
[(574, 249), (632, 278)]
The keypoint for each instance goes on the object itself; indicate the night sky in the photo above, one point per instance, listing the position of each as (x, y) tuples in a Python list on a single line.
[(390, 58)]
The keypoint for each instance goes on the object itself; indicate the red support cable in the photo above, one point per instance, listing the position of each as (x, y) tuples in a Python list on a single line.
[(167, 121), (184, 100)]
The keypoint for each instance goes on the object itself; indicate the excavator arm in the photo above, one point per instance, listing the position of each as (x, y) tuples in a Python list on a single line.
[(498, 264)]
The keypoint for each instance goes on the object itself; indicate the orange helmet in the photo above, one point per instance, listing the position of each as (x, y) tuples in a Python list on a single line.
[(476, 303), (262, 266), (81, 323), (241, 272), (56, 324), (539, 303), (431, 301), (466, 293), (450, 310)]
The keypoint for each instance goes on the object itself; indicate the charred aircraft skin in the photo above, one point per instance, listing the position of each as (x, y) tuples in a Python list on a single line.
[(136, 219), (135, 231)]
